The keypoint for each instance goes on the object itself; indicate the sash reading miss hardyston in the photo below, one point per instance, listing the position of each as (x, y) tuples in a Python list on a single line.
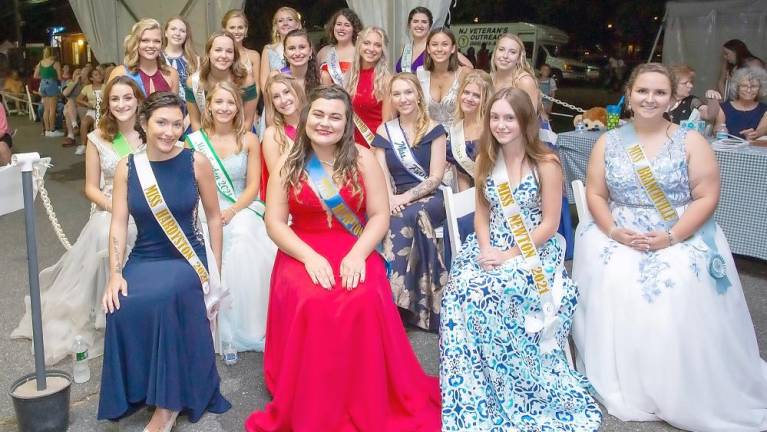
[(458, 146), (547, 322), (402, 150), (199, 142), (646, 177), (323, 184)]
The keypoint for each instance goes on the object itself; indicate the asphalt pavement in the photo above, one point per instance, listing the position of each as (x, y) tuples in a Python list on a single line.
[(242, 383)]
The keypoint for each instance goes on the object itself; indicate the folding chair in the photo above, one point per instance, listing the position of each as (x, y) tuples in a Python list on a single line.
[(457, 205)]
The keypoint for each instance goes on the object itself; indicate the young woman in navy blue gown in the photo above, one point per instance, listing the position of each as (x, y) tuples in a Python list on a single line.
[(158, 346)]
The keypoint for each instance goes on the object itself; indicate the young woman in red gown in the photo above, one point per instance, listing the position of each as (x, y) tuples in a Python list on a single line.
[(369, 82), (337, 357)]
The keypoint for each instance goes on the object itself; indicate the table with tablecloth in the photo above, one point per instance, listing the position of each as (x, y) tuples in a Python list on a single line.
[(742, 209)]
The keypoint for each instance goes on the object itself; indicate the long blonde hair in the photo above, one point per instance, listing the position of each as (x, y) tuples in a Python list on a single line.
[(486, 89), (345, 168), (131, 42), (422, 118), (276, 37), (208, 123), (236, 69), (273, 116), (382, 74), (522, 66), (192, 59), (535, 150)]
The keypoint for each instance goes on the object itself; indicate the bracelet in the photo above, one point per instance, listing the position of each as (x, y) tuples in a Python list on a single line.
[(671, 239)]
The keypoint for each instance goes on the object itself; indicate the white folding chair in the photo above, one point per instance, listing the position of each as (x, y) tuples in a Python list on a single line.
[(457, 205), (32, 106), (579, 191)]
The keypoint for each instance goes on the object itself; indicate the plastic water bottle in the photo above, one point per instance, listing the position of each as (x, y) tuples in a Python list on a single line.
[(80, 368), (230, 353), (721, 132)]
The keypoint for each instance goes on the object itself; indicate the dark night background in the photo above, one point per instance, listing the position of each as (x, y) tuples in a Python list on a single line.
[(586, 21)]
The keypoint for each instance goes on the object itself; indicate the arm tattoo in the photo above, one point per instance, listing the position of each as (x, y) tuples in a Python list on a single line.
[(117, 265), (424, 188)]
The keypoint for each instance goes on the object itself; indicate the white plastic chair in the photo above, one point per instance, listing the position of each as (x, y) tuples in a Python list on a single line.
[(32, 106), (457, 205), (579, 191)]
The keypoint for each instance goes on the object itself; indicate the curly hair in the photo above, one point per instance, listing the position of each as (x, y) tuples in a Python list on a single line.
[(353, 19), (107, 121), (486, 89), (209, 124), (382, 74), (749, 74), (535, 150), (275, 117), (131, 43), (154, 102), (192, 59), (422, 118), (452, 62), (237, 70), (312, 78), (345, 169)]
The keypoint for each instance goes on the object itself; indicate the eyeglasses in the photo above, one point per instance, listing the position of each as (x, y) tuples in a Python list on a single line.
[(748, 86)]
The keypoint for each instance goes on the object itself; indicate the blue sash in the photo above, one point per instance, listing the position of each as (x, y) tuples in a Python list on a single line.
[(135, 76), (328, 193), (646, 178)]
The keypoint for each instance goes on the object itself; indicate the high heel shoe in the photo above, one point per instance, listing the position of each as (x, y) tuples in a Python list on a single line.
[(169, 425)]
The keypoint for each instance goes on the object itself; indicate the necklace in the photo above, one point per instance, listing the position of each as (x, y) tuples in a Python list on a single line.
[(328, 163)]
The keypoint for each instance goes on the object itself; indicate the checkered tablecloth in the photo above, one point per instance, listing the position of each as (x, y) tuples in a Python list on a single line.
[(742, 210)]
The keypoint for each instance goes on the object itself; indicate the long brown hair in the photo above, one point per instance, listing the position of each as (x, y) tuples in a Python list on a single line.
[(209, 125), (236, 69), (452, 62), (272, 115), (345, 168), (192, 59), (107, 121), (535, 150), (312, 78)]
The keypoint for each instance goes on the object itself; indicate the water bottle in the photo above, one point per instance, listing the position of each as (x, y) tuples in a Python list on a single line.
[(80, 368), (721, 132), (229, 353), (580, 126)]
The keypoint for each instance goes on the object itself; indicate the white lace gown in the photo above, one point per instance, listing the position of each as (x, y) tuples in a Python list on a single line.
[(654, 337), (71, 289), (248, 257)]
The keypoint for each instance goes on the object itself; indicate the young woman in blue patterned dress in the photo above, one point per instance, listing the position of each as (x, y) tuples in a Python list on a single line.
[(501, 342)]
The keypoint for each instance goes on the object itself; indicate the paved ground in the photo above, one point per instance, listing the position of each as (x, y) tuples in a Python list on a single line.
[(242, 383)]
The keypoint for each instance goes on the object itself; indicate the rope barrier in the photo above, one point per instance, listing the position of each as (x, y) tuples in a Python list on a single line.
[(40, 182)]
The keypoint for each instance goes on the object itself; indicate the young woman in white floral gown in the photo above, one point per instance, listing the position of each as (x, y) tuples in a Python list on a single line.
[(662, 329)]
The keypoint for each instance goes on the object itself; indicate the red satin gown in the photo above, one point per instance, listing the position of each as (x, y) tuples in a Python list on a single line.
[(338, 360), (290, 132), (366, 106)]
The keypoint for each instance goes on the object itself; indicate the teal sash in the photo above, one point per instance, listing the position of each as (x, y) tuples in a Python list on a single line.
[(646, 178), (135, 76), (328, 193)]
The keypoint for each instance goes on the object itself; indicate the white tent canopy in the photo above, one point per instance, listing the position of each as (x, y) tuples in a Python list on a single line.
[(696, 30), (107, 22)]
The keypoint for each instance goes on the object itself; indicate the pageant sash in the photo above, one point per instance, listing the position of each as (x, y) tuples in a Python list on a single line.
[(165, 218), (402, 150), (334, 67), (547, 321), (406, 64), (458, 146), (199, 142), (324, 186), (646, 178), (199, 93), (121, 146), (136, 77), (367, 134)]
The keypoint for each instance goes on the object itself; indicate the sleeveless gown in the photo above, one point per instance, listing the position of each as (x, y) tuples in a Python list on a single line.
[(158, 347), (351, 343), (366, 106), (493, 375), (71, 289), (248, 257), (654, 337)]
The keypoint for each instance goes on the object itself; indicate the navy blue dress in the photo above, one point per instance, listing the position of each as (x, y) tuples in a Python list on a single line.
[(418, 266), (158, 349)]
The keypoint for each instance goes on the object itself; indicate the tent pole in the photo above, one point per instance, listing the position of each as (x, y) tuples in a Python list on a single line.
[(657, 37)]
